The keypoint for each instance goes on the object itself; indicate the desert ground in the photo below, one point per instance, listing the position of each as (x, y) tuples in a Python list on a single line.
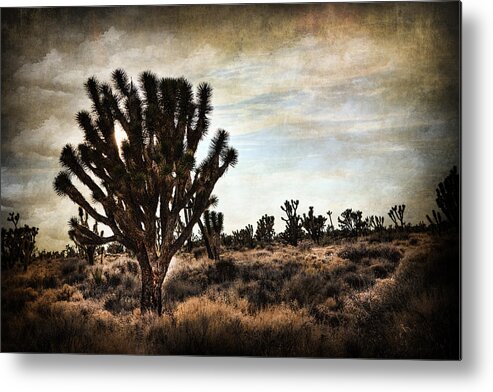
[(385, 295)]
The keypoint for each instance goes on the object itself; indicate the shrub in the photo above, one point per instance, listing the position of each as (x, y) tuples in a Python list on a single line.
[(114, 280), (69, 266), (225, 270), (357, 281), (200, 327), (14, 300), (97, 275), (62, 327), (356, 253), (120, 302), (309, 288), (379, 270), (69, 293)]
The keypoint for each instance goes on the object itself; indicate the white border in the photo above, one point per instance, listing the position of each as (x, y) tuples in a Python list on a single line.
[(122, 373)]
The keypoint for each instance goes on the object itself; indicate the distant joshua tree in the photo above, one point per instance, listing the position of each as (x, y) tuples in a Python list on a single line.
[(375, 222), (293, 232), (314, 225), (448, 197), (396, 213), (212, 228), (244, 237), (18, 244), (265, 229), (87, 249), (152, 175), (352, 222), (330, 227), (435, 223), (448, 200)]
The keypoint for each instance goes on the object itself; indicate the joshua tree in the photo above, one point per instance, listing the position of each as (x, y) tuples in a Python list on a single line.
[(375, 222), (152, 175), (87, 249), (69, 251), (212, 229), (436, 223), (352, 222), (448, 194), (18, 244), (396, 213), (265, 229), (293, 231), (314, 225), (331, 226), (244, 237), (14, 218)]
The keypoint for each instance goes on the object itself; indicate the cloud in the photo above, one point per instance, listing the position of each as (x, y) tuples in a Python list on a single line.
[(44, 142)]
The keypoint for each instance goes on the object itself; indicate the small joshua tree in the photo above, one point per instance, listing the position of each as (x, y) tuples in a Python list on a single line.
[(265, 229), (375, 222), (352, 222), (448, 200), (76, 235), (314, 225), (18, 244), (436, 222), (213, 227), (244, 237), (396, 213), (293, 232), (330, 227), (69, 251), (448, 195), (152, 175), (14, 218)]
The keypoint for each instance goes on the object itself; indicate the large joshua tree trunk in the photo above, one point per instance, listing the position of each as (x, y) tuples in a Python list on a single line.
[(152, 281), (151, 289), (151, 177)]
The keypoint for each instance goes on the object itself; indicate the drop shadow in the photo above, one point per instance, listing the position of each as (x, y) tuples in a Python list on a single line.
[(32, 364)]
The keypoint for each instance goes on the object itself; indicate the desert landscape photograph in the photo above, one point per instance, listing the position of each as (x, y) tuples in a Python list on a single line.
[(267, 180)]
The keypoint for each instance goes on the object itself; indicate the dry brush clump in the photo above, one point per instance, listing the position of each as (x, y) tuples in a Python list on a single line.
[(202, 326)]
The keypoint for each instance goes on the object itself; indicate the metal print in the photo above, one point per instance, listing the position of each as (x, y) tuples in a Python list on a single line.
[(250, 180)]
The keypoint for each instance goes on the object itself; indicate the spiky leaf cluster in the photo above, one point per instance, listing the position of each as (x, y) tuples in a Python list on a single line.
[(154, 172), (213, 222)]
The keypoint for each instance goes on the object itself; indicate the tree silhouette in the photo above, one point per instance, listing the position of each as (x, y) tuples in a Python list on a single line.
[(87, 249), (211, 232), (396, 213), (265, 229), (314, 225), (293, 231), (141, 189), (352, 222), (18, 244), (448, 197)]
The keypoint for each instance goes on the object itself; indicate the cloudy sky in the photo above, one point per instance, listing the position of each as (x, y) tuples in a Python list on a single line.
[(337, 105)]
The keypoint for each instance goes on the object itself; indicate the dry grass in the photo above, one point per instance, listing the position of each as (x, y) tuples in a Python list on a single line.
[(395, 299)]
